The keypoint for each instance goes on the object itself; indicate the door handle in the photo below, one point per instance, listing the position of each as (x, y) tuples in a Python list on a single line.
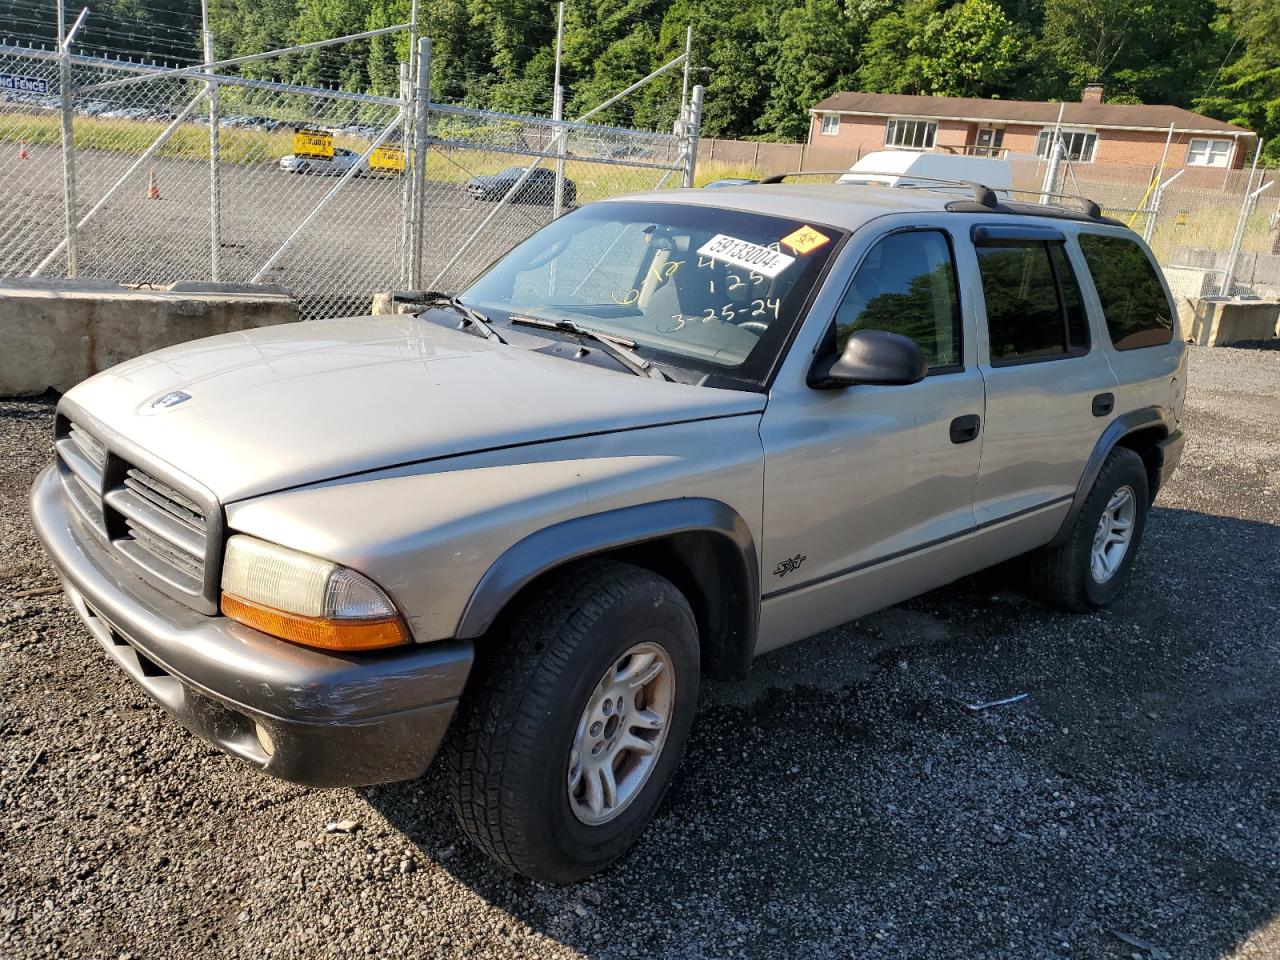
[(1103, 404), (964, 429)]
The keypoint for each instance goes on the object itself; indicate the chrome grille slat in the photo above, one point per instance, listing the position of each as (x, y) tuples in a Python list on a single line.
[(142, 512), (165, 496), (79, 464), (92, 448), (84, 500), (162, 549)]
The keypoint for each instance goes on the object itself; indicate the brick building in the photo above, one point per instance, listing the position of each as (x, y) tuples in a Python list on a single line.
[(1092, 131)]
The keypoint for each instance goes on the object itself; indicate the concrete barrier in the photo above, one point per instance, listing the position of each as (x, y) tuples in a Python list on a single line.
[(1215, 322), (57, 333)]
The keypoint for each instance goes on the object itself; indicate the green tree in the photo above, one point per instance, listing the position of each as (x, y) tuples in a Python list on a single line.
[(968, 51), (889, 62), (811, 56), (1248, 91)]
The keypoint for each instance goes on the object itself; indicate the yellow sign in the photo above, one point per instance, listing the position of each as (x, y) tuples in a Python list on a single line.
[(387, 158), (805, 239), (1182, 218), (313, 144)]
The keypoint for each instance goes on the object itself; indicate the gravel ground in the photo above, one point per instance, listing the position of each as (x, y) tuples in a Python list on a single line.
[(840, 803)]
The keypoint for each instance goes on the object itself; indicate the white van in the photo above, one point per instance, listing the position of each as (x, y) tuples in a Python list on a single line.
[(901, 168)]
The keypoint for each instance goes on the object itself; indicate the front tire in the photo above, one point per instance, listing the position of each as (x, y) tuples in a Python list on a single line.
[(1091, 566), (577, 718)]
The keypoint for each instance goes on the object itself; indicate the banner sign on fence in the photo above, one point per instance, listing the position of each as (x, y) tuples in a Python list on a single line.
[(13, 81), (390, 159), (315, 144)]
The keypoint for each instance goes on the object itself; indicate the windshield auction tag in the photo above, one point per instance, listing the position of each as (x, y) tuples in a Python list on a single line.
[(764, 261), (804, 240)]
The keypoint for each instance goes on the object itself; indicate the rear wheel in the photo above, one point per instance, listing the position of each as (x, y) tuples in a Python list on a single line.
[(1091, 566), (577, 718)]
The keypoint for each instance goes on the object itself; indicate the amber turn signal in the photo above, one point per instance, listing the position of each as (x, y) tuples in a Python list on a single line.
[(321, 632)]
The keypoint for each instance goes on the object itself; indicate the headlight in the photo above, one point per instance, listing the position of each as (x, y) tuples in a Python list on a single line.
[(307, 600)]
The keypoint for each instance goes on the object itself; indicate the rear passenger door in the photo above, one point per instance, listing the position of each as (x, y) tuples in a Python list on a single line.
[(1050, 390), (1139, 327)]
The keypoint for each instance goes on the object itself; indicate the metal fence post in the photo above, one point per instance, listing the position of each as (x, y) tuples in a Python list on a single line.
[(422, 106), (68, 140), (1237, 240), (691, 133), (406, 181), (558, 116), (215, 186)]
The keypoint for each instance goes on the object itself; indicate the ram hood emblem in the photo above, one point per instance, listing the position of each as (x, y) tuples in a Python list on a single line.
[(170, 399)]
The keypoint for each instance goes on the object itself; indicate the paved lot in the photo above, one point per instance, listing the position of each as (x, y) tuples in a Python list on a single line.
[(350, 251), (840, 803)]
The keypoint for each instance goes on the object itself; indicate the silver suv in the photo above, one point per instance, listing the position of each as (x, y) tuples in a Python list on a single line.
[(662, 436)]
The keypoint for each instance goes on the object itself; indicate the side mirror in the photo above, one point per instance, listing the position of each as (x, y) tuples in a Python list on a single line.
[(874, 357)]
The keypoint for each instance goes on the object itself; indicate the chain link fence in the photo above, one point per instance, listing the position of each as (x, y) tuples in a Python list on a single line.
[(198, 177)]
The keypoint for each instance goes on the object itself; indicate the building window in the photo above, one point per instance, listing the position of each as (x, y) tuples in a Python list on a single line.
[(1209, 153), (910, 134), (1078, 145), (830, 124)]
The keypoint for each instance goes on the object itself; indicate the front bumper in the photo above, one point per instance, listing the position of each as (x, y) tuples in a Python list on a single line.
[(330, 719)]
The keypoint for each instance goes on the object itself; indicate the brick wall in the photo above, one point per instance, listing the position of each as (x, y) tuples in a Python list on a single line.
[(1129, 147)]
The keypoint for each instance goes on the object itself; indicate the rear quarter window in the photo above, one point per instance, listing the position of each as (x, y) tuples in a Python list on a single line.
[(1137, 312)]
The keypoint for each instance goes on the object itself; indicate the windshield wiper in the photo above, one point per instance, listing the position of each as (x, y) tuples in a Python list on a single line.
[(474, 317), (617, 347)]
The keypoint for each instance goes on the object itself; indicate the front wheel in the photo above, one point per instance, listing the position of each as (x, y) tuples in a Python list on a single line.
[(577, 718)]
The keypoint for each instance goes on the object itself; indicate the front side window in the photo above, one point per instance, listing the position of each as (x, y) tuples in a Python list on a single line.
[(1034, 307), (1208, 153), (907, 285), (705, 290), (910, 134), (831, 124), (1133, 301), (1078, 145)]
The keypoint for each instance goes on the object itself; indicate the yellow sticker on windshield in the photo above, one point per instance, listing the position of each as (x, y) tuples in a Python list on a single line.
[(805, 239)]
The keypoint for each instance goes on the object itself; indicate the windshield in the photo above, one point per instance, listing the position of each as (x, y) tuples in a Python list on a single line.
[(696, 287)]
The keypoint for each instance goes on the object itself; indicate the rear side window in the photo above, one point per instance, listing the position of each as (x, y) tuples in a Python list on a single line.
[(1133, 301), (907, 285), (1034, 308)]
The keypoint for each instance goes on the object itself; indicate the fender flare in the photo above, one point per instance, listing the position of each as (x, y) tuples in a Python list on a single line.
[(585, 536), (1119, 428)]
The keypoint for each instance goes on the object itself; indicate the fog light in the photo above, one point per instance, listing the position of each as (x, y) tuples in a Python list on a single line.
[(264, 739)]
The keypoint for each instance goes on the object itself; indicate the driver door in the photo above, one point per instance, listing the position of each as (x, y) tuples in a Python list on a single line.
[(868, 488)]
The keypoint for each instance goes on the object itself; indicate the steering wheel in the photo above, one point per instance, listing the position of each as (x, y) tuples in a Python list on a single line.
[(755, 326)]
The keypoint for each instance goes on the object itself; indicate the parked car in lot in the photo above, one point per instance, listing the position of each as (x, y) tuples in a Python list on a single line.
[(539, 188), (343, 160), (665, 434), (729, 182)]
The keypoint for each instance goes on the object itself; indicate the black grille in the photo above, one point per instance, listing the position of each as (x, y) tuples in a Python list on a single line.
[(163, 531)]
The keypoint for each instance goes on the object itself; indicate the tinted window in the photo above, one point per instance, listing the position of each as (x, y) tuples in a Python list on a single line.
[(1072, 302), (1029, 317), (1133, 301), (907, 285)]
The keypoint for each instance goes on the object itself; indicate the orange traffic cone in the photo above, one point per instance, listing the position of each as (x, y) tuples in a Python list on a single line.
[(153, 188), (22, 150)]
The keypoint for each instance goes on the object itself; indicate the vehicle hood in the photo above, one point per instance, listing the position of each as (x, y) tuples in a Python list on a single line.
[(287, 405)]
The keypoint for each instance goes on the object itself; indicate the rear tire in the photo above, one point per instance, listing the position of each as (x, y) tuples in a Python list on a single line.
[(1091, 566), (563, 690)]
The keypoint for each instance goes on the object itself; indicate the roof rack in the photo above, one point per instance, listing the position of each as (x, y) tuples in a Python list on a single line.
[(986, 196)]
